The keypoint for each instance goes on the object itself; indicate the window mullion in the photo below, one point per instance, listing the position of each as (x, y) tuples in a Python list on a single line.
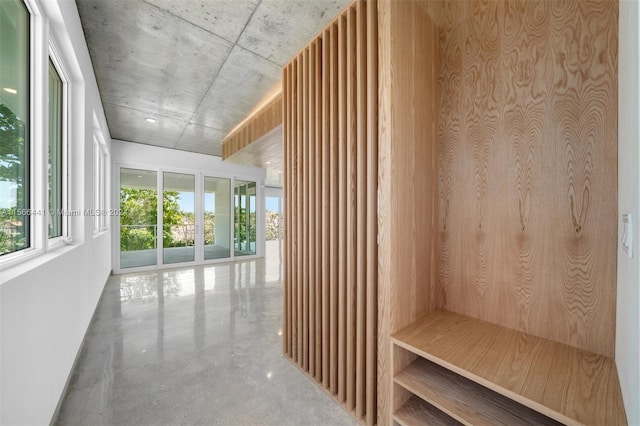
[(39, 130)]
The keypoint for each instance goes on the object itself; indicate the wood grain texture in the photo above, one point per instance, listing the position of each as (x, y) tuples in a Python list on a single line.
[(326, 187), (331, 172), (565, 383), (371, 283), (463, 399), (416, 412), (407, 179), (304, 216), (351, 212), (311, 206), (299, 213), (342, 207), (527, 166), (293, 237), (318, 198), (400, 360), (333, 176), (286, 152), (254, 127), (361, 188)]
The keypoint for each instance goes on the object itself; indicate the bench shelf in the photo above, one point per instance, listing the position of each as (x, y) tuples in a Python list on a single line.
[(482, 373)]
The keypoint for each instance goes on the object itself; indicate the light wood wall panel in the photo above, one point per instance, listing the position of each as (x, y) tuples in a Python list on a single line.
[(527, 154), (258, 124), (407, 178), (330, 134)]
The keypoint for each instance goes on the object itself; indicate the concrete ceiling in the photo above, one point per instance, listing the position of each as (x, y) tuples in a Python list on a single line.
[(196, 67)]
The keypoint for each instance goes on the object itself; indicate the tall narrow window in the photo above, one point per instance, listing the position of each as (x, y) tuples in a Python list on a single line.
[(14, 127), (178, 218), (100, 186), (244, 195), (217, 218), (139, 219), (56, 178)]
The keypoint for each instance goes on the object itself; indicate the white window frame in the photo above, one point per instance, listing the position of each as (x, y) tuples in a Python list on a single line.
[(37, 90), (42, 47), (101, 211), (65, 172), (199, 206)]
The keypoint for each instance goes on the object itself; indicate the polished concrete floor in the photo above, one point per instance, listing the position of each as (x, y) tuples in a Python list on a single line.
[(198, 345)]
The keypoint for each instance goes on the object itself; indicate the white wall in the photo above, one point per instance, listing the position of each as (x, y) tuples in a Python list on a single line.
[(628, 308), (46, 303)]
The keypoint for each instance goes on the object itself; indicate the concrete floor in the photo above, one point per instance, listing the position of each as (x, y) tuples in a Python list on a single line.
[(197, 345)]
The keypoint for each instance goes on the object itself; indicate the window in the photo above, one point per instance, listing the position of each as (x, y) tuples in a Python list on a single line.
[(14, 127), (55, 172), (245, 217), (100, 191)]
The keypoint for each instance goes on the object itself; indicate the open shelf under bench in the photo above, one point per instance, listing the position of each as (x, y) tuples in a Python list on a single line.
[(516, 371)]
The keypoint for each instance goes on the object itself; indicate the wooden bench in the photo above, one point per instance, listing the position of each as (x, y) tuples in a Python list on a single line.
[(452, 368)]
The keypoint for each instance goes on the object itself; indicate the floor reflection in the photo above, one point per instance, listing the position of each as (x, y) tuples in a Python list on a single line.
[(193, 346)]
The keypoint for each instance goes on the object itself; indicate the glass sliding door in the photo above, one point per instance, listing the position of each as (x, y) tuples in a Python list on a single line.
[(178, 218), (217, 218), (169, 218), (244, 196), (138, 218)]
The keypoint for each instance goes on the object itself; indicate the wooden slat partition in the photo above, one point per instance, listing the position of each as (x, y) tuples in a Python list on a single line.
[(330, 144), (258, 124), (492, 198)]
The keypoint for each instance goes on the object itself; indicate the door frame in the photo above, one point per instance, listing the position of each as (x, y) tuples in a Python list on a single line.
[(198, 216)]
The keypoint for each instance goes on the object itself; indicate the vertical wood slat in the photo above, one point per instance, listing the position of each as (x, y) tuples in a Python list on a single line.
[(293, 214), (290, 201), (361, 201), (318, 219), (384, 227), (350, 158), (304, 138), (333, 176), (326, 231), (372, 214), (342, 205), (294, 209), (286, 178), (311, 112), (299, 213), (331, 277)]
